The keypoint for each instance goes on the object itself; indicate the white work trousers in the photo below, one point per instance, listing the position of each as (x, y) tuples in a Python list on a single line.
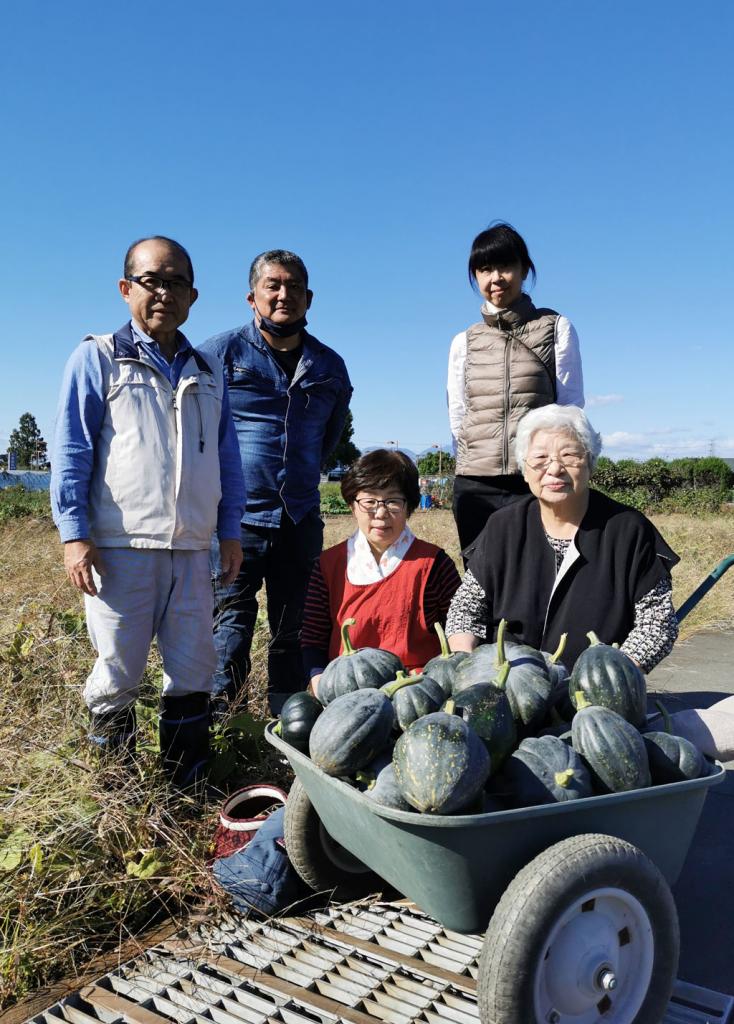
[(147, 593)]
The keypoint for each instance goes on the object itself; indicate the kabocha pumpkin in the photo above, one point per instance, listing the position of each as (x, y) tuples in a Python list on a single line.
[(297, 719), (482, 665), (351, 731), (419, 695), (613, 749), (486, 709), (608, 678), (377, 781), (440, 763), (543, 770), (528, 686), (442, 668), (356, 669), (673, 758)]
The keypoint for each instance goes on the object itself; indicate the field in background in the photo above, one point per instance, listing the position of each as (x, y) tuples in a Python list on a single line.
[(83, 866)]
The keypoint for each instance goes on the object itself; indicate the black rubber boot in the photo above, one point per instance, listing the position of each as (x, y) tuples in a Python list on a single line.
[(183, 726), (113, 735)]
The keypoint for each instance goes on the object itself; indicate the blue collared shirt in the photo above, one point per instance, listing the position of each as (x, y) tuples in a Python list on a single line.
[(79, 420), (286, 429)]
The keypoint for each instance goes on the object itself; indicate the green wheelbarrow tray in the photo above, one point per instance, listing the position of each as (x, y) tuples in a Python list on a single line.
[(456, 867)]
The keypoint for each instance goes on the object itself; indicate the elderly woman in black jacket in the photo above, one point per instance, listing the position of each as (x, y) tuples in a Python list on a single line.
[(567, 559)]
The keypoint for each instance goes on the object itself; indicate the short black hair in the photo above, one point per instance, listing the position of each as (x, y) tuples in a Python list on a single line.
[(379, 471), (128, 266), (283, 258), (499, 245)]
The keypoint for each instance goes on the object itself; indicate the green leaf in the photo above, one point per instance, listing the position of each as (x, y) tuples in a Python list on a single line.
[(244, 722), (11, 850), (35, 856), (149, 864), (221, 766)]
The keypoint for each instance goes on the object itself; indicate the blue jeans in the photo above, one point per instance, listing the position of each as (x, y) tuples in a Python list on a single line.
[(282, 558)]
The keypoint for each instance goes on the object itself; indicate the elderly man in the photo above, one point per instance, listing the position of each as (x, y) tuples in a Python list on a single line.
[(146, 467), (290, 396)]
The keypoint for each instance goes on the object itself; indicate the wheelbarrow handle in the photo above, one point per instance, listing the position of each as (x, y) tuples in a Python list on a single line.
[(704, 588)]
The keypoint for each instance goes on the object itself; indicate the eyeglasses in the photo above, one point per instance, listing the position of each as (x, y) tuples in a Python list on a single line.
[(569, 461), (392, 506), (152, 283)]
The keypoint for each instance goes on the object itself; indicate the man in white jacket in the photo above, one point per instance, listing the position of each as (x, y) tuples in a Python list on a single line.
[(146, 466)]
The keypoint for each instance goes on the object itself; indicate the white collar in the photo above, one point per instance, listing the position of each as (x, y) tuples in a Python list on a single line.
[(361, 565)]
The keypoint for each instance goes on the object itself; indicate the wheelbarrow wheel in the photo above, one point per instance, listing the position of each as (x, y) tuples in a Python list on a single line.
[(320, 861), (586, 932)]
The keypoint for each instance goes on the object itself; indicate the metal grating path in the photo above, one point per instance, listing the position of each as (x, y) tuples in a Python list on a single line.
[(356, 964)]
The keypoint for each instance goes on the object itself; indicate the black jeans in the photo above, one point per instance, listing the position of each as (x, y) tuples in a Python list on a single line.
[(281, 557), (477, 497)]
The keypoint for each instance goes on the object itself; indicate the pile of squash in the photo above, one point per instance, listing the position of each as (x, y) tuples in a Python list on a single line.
[(503, 727)]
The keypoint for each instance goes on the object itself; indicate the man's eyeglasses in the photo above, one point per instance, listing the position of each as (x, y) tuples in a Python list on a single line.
[(152, 283), (569, 461), (392, 505)]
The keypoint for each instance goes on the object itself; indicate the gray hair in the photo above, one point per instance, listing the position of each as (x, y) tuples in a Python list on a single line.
[(283, 257), (567, 419)]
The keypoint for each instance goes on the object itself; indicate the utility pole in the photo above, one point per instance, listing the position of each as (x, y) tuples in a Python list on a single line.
[(440, 459)]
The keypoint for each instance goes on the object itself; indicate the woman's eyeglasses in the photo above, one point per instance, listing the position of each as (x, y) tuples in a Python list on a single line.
[(568, 461), (391, 505)]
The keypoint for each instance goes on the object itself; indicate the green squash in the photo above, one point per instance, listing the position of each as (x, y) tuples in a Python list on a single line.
[(609, 679), (442, 668), (367, 668), (441, 765), (613, 749), (486, 709), (543, 770), (351, 731), (297, 718), (377, 781), (673, 758), (417, 695)]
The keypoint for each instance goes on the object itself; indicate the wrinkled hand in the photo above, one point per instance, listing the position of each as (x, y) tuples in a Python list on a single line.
[(313, 685), (79, 557), (230, 555)]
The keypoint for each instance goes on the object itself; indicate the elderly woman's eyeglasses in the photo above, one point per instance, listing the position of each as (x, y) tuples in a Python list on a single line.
[(152, 283), (569, 460), (391, 505)]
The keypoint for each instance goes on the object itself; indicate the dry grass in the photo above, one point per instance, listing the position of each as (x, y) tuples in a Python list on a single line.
[(96, 865)]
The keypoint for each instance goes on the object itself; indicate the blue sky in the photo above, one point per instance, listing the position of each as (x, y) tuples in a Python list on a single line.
[(377, 140)]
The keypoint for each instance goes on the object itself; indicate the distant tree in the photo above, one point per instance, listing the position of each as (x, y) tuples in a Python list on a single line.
[(28, 444), (430, 464), (346, 452)]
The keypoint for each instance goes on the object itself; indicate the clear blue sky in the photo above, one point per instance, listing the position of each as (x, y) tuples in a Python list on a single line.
[(376, 140)]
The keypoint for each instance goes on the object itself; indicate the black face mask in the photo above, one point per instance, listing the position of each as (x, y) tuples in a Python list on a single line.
[(281, 330)]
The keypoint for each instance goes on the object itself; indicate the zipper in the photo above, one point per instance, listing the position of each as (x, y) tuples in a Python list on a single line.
[(201, 422), (506, 403)]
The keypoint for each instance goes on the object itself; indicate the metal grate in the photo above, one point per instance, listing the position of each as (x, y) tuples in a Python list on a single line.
[(355, 964)]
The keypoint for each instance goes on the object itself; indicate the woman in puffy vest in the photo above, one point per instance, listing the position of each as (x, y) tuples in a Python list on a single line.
[(393, 584), (518, 357)]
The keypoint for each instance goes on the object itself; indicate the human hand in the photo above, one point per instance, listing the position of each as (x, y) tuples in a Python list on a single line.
[(230, 555), (313, 685), (79, 558)]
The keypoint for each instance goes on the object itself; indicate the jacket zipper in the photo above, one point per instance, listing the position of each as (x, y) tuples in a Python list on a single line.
[(506, 401)]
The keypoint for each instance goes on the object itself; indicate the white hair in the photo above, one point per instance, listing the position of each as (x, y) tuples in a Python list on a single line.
[(566, 419)]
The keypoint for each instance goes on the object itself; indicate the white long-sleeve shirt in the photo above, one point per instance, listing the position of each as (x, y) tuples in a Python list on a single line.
[(569, 375)]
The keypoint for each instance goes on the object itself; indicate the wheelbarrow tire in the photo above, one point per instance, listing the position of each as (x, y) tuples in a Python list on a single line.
[(322, 864), (544, 956)]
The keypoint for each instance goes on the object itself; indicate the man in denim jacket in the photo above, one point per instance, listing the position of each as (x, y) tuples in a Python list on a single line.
[(289, 396)]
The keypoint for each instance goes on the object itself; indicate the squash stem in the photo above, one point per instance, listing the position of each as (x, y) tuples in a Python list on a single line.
[(501, 678), (667, 724), (278, 728), (500, 656), (593, 638), (401, 680), (581, 701), (368, 779), (558, 653), (564, 778), (347, 648), (445, 652), (450, 706)]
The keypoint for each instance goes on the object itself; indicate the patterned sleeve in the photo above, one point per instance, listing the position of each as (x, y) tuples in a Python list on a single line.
[(655, 628), (468, 612), (442, 583), (316, 629)]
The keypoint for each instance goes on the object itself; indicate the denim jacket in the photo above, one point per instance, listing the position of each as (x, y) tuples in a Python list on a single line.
[(285, 431)]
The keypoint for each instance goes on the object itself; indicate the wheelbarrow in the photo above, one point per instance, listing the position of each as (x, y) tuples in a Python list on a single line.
[(574, 898)]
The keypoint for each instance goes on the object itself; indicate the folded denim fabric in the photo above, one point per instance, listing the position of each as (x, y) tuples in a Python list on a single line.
[(260, 877)]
